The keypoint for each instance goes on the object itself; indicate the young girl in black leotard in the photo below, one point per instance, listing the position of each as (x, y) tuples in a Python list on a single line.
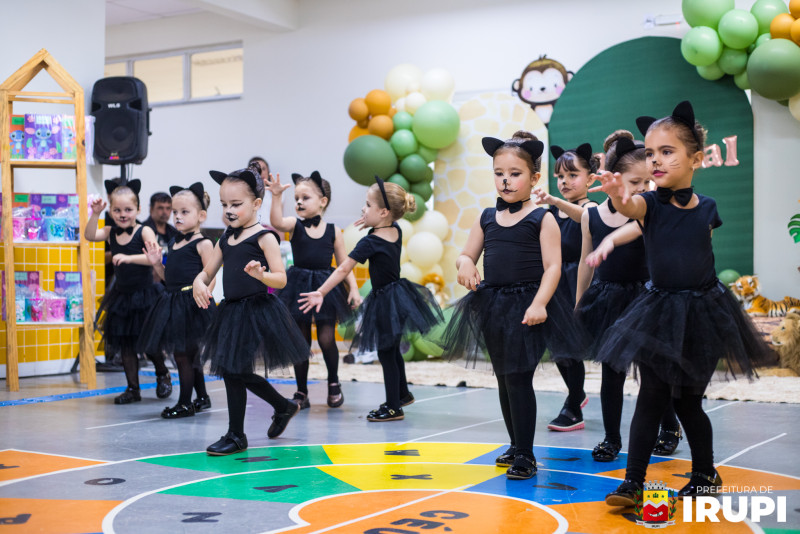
[(252, 326), (314, 244), (132, 294), (176, 324)]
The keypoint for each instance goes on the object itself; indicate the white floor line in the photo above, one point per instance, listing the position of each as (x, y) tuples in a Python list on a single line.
[(449, 395), (722, 406), (750, 448), (449, 431), (152, 419)]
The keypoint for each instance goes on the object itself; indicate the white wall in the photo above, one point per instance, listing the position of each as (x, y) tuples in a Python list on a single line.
[(74, 34), (298, 85)]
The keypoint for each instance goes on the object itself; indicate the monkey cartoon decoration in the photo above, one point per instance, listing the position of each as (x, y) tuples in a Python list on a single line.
[(541, 85)]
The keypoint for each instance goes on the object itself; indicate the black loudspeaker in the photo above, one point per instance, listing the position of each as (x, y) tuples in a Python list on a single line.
[(122, 120)]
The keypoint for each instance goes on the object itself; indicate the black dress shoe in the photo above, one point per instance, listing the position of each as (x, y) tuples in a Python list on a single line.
[(507, 458), (230, 443), (164, 386), (178, 411), (202, 403), (280, 420), (385, 414), (405, 401), (625, 494), (301, 399), (335, 395), (523, 468), (567, 421), (667, 442), (606, 451), (701, 484), (128, 396)]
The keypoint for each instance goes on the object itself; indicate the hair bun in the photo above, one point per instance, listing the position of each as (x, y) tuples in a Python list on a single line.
[(410, 204), (523, 135), (614, 137)]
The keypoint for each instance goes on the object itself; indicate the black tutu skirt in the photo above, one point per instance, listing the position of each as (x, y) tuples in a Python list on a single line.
[(602, 304), (392, 311), (175, 324), (568, 283), (250, 331), (334, 307), (682, 335), (121, 316), (488, 322)]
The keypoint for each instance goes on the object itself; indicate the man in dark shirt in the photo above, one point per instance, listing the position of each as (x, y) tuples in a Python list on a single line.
[(160, 212)]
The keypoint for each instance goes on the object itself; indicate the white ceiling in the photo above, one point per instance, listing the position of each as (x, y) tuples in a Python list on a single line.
[(126, 11)]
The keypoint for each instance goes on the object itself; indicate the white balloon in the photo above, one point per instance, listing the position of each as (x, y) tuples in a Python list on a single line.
[(400, 104), (413, 87), (434, 269), (399, 77), (411, 272), (794, 106), (425, 249), (437, 84), (414, 101), (403, 255), (407, 228), (351, 236), (435, 222)]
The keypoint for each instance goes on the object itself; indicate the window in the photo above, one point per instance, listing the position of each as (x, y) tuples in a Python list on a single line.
[(194, 75)]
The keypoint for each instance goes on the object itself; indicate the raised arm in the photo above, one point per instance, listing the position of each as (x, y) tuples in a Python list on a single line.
[(354, 297), (276, 218), (154, 256), (200, 286), (585, 271), (91, 232), (468, 275), (633, 207), (550, 240), (314, 299), (573, 211), (276, 276)]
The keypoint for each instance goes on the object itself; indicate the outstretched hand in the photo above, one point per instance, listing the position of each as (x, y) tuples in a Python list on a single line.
[(153, 253), (98, 205), (612, 185), (310, 301), (540, 196), (273, 183)]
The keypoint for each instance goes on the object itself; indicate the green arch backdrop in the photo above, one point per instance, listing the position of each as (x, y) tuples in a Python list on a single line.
[(648, 76)]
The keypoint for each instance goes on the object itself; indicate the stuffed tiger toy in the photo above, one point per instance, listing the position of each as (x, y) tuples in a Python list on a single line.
[(747, 290)]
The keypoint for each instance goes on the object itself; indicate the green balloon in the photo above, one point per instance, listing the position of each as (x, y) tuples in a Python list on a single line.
[(420, 209), (728, 276), (701, 46), (407, 349), (710, 72), (784, 103), (413, 168), (766, 10), (402, 120), (763, 38), (741, 80), (423, 189), (705, 12), (738, 28), (404, 143), (367, 156), (366, 288), (400, 180), (427, 153), (347, 330), (436, 124), (774, 69), (427, 347), (732, 61)]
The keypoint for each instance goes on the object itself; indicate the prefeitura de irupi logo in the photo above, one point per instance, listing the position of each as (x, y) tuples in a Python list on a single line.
[(654, 506)]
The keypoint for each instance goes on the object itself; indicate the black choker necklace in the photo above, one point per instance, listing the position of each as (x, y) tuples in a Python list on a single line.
[(238, 231), (379, 227), (611, 207), (576, 201)]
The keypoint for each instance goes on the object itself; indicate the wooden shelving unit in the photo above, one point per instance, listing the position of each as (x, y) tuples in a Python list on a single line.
[(12, 91)]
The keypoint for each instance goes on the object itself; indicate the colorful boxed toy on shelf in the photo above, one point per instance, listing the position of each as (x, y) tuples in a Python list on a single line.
[(36, 136), (35, 305), (45, 217)]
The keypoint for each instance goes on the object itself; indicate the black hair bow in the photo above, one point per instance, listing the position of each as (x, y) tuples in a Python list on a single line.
[(512, 207), (683, 113)]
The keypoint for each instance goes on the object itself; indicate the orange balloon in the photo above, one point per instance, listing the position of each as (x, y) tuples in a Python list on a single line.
[(378, 102), (780, 27), (357, 132), (364, 123), (358, 109), (794, 32), (794, 8), (382, 126), (392, 111)]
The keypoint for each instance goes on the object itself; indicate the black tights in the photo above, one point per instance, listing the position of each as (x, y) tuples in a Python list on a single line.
[(574, 376), (518, 404), (236, 387), (326, 337), (654, 397), (394, 376), (130, 363), (190, 376), (611, 389)]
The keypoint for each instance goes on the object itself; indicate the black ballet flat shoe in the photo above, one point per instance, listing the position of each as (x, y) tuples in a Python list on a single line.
[(507, 458), (178, 411), (625, 494), (201, 403), (128, 396), (164, 386), (523, 468), (335, 395), (700, 484), (230, 443), (667, 442), (301, 399), (606, 451), (385, 414), (280, 420), (567, 421)]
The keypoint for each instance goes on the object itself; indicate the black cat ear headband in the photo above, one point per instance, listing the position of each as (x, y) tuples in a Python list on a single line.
[(534, 148), (683, 113), (247, 175), (133, 185), (584, 152), (196, 188), (623, 146), (315, 177), (380, 183)]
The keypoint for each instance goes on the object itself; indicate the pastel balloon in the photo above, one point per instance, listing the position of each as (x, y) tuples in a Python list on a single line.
[(421, 208), (781, 26), (426, 346), (794, 8), (436, 124), (414, 168), (351, 236), (382, 126), (366, 288), (794, 31), (414, 101), (411, 272), (710, 72), (378, 101), (732, 61), (741, 80), (403, 251), (437, 84), (425, 249), (434, 269), (728, 276), (400, 104), (357, 131), (738, 28), (705, 12), (794, 106), (407, 228), (766, 10), (347, 330), (700, 46), (400, 180), (763, 38), (434, 222), (358, 109), (404, 143), (427, 153), (774, 69), (367, 156), (402, 120), (423, 189)]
